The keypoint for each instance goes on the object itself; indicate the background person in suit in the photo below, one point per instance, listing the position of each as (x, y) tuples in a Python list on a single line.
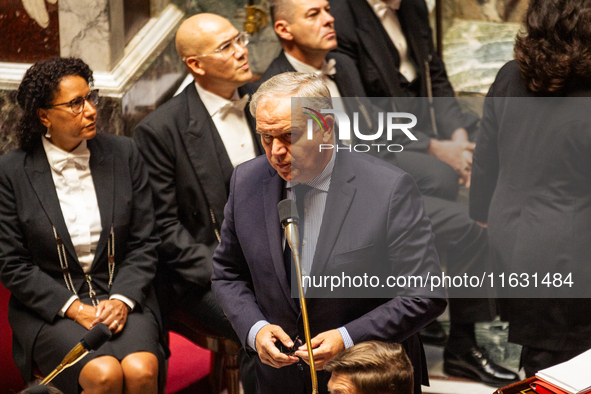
[(77, 245), (392, 47), (532, 178), (371, 367), (306, 32), (191, 145), (350, 193)]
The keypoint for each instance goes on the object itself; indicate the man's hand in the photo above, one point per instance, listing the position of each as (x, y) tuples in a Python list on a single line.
[(325, 346), (268, 352), (457, 152), (113, 313), (84, 317)]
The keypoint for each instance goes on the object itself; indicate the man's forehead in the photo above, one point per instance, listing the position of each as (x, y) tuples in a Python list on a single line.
[(302, 6), (217, 33)]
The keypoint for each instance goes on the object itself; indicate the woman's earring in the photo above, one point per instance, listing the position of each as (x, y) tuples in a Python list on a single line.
[(48, 134)]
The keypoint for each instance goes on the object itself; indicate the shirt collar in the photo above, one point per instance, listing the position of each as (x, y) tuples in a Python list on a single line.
[(394, 4), (322, 180), (55, 154), (213, 103), (302, 67)]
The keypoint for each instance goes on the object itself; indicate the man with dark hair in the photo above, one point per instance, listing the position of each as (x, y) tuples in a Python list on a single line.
[(371, 367), (191, 145)]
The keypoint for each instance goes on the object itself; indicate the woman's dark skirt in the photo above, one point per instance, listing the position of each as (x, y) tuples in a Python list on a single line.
[(54, 341)]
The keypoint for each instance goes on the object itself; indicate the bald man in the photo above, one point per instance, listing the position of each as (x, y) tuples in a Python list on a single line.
[(191, 145)]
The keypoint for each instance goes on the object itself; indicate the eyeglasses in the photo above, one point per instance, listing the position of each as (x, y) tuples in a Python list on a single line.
[(229, 48), (77, 105)]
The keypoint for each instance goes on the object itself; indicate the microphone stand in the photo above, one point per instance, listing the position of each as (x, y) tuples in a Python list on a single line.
[(64, 364), (293, 238)]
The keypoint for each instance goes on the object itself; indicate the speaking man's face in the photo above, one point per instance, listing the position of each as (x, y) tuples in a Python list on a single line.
[(341, 384), (289, 151)]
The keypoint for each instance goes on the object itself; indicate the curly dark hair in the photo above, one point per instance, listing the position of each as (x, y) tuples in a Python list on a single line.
[(37, 90), (555, 49)]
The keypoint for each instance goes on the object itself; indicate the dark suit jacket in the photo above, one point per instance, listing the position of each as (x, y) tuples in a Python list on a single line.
[(190, 175), (29, 263), (362, 37), (347, 79), (379, 213), (531, 181)]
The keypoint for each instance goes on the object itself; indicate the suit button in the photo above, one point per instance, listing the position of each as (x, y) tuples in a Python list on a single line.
[(300, 366), (194, 215)]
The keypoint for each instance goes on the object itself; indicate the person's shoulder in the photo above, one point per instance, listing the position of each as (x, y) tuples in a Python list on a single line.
[(509, 71), (254, 169), (12, 161), (116, 145), (279, 65), (172, 110), (508, 82)]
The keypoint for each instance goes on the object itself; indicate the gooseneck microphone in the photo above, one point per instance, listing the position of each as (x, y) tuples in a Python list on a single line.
[(91, 341), (290, 220)]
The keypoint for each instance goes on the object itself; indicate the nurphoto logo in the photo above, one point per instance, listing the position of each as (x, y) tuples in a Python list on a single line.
[(394, 123)]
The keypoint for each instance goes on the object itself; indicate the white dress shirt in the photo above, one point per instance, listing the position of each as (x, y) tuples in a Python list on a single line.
[(314, 203), (302, 67), (386, 12), (77, 197), (231, 125)]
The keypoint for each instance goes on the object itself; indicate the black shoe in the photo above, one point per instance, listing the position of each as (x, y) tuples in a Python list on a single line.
[(433, 334), (477, 365)]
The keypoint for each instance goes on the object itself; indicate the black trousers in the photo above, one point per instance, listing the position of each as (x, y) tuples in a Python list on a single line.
[(457, 237)]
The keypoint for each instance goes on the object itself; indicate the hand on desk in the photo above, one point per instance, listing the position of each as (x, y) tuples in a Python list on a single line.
[(268, 352), (325, 346)]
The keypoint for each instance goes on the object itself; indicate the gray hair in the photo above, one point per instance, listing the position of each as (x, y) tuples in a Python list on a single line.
[(310, 87)]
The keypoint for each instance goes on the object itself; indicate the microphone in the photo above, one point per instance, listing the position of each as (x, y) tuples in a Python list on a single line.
[(91, 341), (290, 220)]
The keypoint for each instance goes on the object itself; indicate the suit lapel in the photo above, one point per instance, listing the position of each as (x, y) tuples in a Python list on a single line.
[(417, 51), (377, 44), (102, 169), (273, 193), (210, 162), (339, 199), (39, 174)]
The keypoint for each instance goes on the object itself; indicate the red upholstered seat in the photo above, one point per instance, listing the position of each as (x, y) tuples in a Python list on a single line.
[(187, 365), (10, 377)]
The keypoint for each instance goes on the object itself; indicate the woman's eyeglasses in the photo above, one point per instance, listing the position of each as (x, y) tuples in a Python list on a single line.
[(77, 105)]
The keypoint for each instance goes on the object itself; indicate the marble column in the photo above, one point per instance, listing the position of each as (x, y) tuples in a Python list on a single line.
[(92, 31)]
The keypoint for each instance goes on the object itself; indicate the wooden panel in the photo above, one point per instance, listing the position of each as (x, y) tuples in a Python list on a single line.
[(28, 35)]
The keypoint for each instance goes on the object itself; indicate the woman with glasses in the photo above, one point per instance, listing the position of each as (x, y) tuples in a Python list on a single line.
[(77, 246)]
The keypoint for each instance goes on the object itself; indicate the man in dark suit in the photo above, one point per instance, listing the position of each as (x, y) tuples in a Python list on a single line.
[(306, 31), (362, 213), (391, 45), (191, 145)]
